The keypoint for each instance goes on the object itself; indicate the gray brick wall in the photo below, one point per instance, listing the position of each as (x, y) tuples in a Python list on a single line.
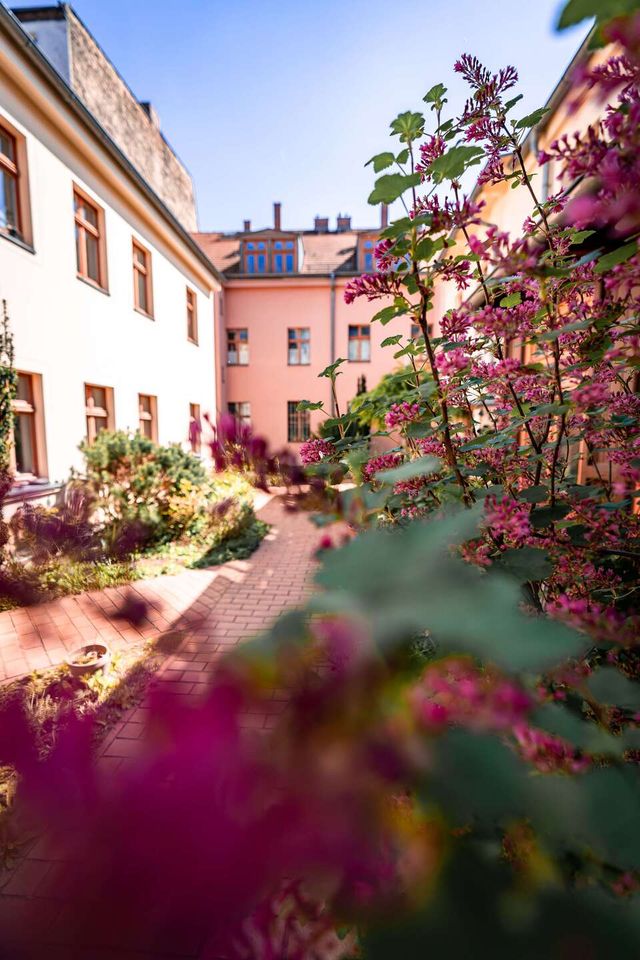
[(98, 84)]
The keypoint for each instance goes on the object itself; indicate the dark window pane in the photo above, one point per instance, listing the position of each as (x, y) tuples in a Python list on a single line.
[(277, 263), (23, 442), (141, 283), (8, 202), (7, 145), (90, 214), (289, 263), (23, 391), (93, 257), (99, 397)]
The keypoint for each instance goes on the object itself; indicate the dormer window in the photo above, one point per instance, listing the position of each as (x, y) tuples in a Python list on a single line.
[(283, 258), (366, 254), (269, 256), (255, 256)]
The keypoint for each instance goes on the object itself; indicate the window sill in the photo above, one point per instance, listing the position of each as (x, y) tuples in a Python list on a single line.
[(32, 490), (237, 364), (18, 241), (94, 286), (144, 313), (299, 364), (358, 361)]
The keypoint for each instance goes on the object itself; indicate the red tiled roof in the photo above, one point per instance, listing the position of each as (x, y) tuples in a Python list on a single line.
[(322, 253)]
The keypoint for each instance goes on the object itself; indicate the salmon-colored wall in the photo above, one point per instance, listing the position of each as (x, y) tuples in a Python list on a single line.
[(267, 309)]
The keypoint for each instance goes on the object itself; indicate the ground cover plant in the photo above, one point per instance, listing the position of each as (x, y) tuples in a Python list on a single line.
[(457, 767), (140, 510)]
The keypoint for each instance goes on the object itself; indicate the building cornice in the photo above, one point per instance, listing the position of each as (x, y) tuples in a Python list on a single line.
[(17, 37)]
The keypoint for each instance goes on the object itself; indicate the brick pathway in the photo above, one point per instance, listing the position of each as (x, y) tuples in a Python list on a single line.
[(220, 606), (211, 609)]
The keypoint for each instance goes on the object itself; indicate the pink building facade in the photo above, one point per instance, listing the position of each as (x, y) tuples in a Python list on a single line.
[(283, 319)]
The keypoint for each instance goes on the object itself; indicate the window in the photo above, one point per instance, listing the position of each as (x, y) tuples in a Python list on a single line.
[(142, 285), (359, 343), (238, 347), (195, 427), (9, 180), (28, 450), (255, 256), (192, 316), (299, 346), (148, 416), (15, 214), (367, 258), (241, 410), (298, 425), (282, 257), (269, 256), (90, 245), (98, 409)]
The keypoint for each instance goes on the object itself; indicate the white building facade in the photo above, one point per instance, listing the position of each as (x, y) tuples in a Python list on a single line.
[(111, 302)]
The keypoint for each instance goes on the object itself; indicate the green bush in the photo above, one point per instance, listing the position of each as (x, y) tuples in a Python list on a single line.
[(163, 491)]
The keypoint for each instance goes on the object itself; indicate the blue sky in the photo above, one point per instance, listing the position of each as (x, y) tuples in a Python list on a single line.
[(286, 99)]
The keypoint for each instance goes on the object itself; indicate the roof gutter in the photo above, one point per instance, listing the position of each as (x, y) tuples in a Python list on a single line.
[(11, 25)]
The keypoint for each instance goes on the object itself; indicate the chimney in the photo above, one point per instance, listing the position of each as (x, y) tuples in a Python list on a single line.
[(246, 226), (149, 109), (384, 216), (276, 216), (321, 224), (344, 223)]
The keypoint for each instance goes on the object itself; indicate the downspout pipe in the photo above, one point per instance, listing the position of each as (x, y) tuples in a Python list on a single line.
[(332, 331)]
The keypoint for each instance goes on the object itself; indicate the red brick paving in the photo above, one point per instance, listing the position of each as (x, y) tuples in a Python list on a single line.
[(213, 610)]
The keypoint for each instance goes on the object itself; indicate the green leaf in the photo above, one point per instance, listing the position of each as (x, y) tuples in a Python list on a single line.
[(391, 341), (616, 256), (612, 687), (330, 371), (561, 721), (512, 300), (308, 405), (537, 494), (452, 164), (510, 104), (402, 157), (404, 581), (388, 313), (436, 96), (391, 186), (575, 11), (381, 161), (414, 468), (408, 126), (567, 328), (526, 563), (579, 236), (532, 118)]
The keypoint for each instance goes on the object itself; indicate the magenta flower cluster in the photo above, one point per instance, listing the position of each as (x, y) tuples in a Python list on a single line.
[(315, 450), (386, 461), (401, 413)]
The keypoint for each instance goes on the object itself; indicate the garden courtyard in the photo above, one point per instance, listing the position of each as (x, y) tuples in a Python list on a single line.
[(372, 692)]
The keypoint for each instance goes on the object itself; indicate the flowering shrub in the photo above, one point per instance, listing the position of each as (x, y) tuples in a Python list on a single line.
[(457, 767)]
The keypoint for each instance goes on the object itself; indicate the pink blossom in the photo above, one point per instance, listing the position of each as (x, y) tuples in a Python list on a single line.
[(508, 518), (315, 450), (401, 413), (386, 461)]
